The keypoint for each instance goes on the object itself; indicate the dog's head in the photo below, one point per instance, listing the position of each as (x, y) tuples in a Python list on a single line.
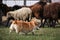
[(36, 21)]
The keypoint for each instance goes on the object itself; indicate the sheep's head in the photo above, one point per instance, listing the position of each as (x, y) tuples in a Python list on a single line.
[(9, 15)]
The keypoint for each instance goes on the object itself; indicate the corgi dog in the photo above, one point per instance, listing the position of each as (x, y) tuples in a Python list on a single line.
[(23, 26)]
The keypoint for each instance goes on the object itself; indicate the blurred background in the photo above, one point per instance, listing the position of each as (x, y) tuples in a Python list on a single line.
[(24, 2), (47, 33)]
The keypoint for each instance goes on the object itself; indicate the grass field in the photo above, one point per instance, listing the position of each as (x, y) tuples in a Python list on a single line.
[(41, 34)]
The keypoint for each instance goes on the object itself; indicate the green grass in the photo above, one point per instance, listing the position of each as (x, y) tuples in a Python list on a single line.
[(41, 34)]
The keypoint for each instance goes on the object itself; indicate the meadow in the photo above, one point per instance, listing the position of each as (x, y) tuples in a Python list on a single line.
[(41, 34)]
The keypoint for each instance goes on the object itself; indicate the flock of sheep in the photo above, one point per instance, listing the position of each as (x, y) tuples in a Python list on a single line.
[(27, 19)]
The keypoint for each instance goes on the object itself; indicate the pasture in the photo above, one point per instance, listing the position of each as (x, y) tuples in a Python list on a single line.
[(41, 34)]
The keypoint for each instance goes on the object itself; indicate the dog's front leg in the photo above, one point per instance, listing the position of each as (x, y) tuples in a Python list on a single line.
[(33, 32), (17, 31)]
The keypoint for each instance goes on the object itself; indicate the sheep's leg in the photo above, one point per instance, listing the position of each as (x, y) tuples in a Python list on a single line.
[(25, 33), (16, 18), (23, 19), (41, 23), (33, 32), (8, 21), (29, 17)]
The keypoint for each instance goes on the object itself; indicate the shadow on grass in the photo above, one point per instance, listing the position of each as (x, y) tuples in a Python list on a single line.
[(32, 34), (57, 27), (3, 26)]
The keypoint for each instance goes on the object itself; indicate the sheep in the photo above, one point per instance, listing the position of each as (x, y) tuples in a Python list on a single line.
[(51, 13), (20, 13)]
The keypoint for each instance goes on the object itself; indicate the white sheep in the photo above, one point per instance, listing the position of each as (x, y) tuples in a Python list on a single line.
[(22, 13)]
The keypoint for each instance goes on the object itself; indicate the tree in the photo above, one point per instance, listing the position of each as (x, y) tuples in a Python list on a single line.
[(46, 1), (0, 13), (49, 1), (0, 1), (43, 0), (24, 2)]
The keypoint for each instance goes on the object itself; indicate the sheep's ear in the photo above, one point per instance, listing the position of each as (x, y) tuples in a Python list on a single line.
[(8, 14)]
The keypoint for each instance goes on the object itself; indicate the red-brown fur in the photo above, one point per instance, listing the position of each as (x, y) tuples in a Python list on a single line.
[(37, 9), (51, 12), (22, 26)]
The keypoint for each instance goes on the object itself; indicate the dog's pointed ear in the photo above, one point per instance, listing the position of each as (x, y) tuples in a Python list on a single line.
[(36, 23), (14, 22)]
